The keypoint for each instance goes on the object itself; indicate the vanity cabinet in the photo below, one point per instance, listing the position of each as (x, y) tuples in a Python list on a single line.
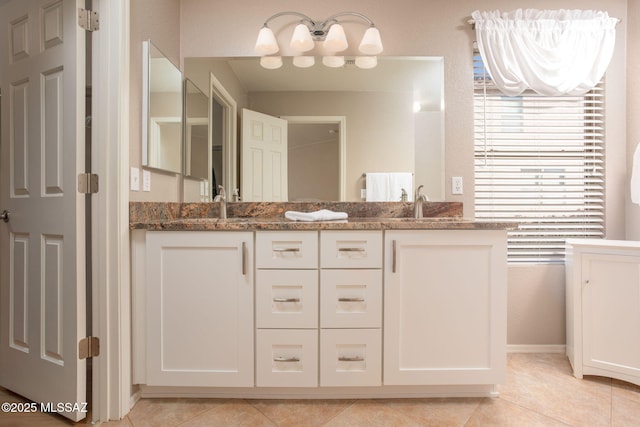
[(198, 309), (444, 307), (319, 313), (350, 308), (603, 308), (287, 308), (319, 308)]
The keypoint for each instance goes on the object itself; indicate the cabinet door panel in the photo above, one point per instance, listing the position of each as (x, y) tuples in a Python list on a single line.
[(445, 308), (199, 309), (611, 312)]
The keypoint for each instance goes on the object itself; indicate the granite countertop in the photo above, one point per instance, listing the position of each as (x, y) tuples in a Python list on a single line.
[(236, 224), (270, 216)]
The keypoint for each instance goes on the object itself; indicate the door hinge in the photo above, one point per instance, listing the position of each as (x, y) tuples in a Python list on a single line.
[(87, 183), (88, 20), (88, 347)]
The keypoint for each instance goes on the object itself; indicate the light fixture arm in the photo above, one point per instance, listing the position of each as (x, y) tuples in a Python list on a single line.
[(319, 29)]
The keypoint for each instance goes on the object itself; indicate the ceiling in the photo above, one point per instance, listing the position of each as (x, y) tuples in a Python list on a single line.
[(421, 75)]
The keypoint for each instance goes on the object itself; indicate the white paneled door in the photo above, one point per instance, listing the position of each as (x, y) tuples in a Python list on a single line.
[(264, 158), (42, 246)]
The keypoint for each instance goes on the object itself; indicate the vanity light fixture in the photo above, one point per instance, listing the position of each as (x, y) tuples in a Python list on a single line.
[(329, 31)]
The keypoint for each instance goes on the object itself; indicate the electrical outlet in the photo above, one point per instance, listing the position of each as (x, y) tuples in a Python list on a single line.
[(456, 185), (146, 180)]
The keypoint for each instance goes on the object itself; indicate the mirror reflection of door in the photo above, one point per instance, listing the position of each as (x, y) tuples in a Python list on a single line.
[(264, 158)]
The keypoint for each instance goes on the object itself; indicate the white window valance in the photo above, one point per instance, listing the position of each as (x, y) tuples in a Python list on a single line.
[(553, 52)]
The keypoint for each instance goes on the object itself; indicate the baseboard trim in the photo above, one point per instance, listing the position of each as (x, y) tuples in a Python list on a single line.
[(535, 348)]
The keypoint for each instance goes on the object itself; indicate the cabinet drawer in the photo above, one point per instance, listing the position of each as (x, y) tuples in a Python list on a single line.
[(350, 357), (287, 358), (287, 249), (351, 249), (351, 298), (287, 299)]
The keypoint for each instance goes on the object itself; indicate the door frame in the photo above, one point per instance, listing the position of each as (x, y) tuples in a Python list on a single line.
[(218, 92), (111, 320), (341, 121)]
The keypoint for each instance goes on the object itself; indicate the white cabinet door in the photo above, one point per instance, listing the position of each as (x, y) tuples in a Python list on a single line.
[(445, 307), (199, 316), (611, 313)]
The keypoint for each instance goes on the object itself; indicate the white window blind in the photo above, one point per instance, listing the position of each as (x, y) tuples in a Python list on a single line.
[(539, 162)]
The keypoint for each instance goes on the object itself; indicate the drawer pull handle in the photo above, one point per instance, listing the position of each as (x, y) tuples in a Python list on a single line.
[(351, 359), (287, 250), (286, 300), (393, 257), (244, 258), (351, 249), (286, 359), (350, 299)]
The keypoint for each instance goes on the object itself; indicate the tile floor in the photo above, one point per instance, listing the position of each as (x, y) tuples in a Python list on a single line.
[(540, 391)]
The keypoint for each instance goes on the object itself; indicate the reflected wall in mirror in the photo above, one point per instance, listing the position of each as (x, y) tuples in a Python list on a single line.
[(161, 111), (394, 114)]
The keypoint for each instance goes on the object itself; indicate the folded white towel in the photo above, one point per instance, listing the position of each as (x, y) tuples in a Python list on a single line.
[(321, 215)]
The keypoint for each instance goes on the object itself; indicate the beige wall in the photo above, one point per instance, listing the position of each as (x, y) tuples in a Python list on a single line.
[(437, 28), (633, 110), (158, 21)]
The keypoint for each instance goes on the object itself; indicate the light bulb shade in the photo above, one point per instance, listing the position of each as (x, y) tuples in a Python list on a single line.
[(366, 62), (336, 39), (266, 43), (301, 40), (271, 62), (371, 43), (333, 61), (303, 61)]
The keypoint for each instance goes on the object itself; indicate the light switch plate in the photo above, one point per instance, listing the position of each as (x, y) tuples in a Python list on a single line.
[(135, 179)]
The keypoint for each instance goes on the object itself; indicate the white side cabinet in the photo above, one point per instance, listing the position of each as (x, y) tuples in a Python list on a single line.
[(445, 307), (603, 308), (198, 300)]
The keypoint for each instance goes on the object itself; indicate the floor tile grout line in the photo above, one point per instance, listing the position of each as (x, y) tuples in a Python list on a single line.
[(535, 411), (353, 402), (249, 402)]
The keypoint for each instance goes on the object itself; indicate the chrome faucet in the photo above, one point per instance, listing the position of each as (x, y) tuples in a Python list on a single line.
[(417, 203), (222, 198)]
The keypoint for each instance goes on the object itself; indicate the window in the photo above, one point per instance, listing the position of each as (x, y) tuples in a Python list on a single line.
[(539, 161)]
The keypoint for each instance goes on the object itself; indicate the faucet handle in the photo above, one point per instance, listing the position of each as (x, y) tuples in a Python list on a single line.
[(418, 192), (221, 191)]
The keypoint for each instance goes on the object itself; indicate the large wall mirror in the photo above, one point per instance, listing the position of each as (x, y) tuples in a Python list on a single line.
[(161, 111), (392, 118)]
